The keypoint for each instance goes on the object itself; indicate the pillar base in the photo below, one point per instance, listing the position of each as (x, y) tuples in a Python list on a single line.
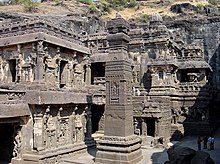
[(123, 150)]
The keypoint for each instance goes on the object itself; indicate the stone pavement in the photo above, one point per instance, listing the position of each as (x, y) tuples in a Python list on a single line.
[(155, 155)]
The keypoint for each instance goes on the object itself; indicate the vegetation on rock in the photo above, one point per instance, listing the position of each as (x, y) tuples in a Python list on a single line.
[(29, 5)]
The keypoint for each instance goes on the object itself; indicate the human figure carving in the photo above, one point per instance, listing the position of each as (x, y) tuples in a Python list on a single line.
[(17, 146)]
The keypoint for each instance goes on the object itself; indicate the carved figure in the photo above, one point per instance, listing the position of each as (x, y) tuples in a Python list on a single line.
[(2, 73), (17, 146)]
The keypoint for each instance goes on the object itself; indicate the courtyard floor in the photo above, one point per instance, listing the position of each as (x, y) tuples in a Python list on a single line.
[(157, 155)]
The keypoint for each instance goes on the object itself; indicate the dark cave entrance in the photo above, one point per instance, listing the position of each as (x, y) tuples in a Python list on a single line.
[(97, 70), (6, 142), (150, 126), (12, 69), (97, 118), (62, 75)]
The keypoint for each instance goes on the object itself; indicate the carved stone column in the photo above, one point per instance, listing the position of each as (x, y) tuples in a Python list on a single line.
[(119, 144), (72, 127), (142, 67), (157, 127), (88, 122), (144, 127), (88, 74), (39, 74), (38, 131)]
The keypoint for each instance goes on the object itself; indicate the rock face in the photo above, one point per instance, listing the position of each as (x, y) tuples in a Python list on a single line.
[(178, 154), (185, 8), (57, 74), (185, 155)]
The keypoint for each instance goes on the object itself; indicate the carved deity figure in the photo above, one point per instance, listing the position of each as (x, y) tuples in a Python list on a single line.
[(28, 70), (114, 89), (2, 73), (50, 69), (49, 129), (19, 70), (79, 128), (78, 74), (136, 129), (40, 47), (17, 146), (6, 69)]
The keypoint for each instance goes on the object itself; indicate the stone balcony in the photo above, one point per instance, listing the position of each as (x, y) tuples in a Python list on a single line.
[(194, 88), (99, 81)]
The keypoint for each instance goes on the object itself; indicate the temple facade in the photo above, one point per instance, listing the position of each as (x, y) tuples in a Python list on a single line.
[(56, 89)]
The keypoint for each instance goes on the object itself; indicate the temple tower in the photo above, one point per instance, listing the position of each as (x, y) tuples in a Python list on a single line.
[(119, 144)]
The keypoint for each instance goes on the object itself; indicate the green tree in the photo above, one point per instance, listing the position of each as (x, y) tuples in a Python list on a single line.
[(29, 5)]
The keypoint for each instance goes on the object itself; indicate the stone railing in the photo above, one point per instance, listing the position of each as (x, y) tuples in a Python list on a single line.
[(99, 80), (193, 87)]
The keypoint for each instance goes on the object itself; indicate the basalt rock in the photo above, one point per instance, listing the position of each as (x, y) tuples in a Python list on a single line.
[(185, 155)]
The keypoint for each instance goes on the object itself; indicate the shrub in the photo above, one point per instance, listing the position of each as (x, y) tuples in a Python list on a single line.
[(214, 2), (105, 6), (119, 3), (88, 2), (29, 5), (132, 3), (14, 2), (2, 3), (93, 8)]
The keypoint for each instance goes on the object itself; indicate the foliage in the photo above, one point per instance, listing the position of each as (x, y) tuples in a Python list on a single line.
[(88, 2), (132, 3), (144, 18), (123, 3), (14, 2), (29, 5), (104, 6), (2, 3), (214, 2), (93, 8)]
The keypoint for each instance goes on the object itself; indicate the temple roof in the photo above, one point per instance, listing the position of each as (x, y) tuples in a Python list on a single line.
[(31, 30), (194, 64)]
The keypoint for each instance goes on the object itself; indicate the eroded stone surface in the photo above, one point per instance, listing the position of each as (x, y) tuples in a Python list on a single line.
[(55, 83)]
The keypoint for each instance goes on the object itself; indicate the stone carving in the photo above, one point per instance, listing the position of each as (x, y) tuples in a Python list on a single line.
[(136, 129), (17, 146), (64, 131), (15, 96), (40, 56), (79, 128)]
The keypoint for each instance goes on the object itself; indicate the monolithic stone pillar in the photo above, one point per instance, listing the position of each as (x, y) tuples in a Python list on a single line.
[(119, 144)]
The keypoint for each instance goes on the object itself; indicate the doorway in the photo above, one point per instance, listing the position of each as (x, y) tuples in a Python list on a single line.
[(150, 127), (97, 118), (12, 70), (62, 75), (97, 70), (6, 142)]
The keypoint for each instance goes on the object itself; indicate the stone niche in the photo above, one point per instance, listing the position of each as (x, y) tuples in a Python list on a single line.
[(59, 130)]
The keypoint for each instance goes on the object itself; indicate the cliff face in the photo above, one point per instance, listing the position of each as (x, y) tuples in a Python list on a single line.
[(206, 33)]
